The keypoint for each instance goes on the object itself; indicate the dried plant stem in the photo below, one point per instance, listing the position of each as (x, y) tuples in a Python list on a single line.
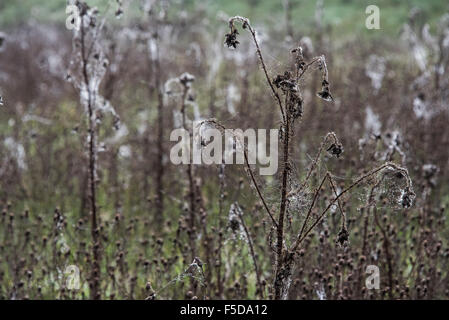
[(365, 231), (256, 185), (221, 177), (280, 228), (160, 133), (95, 273), (368, 207), (253, 256), (246, 24), (329, 178), (190, 176), (308, 65), (309, 211)]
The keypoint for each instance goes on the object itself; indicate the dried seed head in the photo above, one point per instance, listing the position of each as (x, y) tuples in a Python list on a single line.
[(194, 267), (234, 216), (335, 149), (234, 223), (295, 107), (325, 93), (231, 38), (343, 237), (285, 82), (298, 58), (406, 199), (186, 79)]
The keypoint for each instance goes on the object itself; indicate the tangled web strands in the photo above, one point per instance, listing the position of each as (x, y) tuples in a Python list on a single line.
[(215, 123), (406, 198), (88, 52)]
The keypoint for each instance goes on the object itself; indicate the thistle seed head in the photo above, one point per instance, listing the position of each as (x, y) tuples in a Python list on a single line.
[(406, 199), (325, 93), (343, 237), (231, 38), (335, 149)]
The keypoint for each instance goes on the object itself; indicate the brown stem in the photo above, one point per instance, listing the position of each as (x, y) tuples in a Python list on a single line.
[(309, 211), (220, 228), (160, 146), (190, 175), (280, 228), (95, 274), (258, 189), (366, 220)]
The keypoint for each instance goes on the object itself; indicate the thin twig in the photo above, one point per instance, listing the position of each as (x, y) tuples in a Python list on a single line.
[(246, 24)]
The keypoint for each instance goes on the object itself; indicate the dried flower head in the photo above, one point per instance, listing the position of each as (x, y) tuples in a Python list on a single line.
[(282, 79), (233, 219), (186, 79), (231, 38), (194, 267), (335, 149), (295, 106), (343, 237), (198, 262), (236, 222), (406, 199), (325, 93)]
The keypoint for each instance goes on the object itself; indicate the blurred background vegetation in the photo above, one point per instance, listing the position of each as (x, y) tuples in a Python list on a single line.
[(346, 17)]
